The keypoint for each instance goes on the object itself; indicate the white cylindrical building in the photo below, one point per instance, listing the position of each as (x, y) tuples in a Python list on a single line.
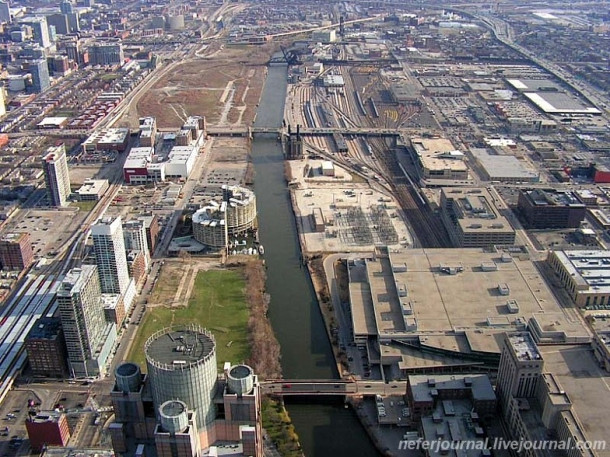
[(210, 225), (182, 366), (241, 208)]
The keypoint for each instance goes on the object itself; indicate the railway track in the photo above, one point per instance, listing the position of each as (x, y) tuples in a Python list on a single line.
[(427, 226)]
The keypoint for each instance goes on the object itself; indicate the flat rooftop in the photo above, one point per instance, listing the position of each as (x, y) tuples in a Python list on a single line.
[(559, 103), (533, 85), (524, 347), (433, 154), (589, 268), (587, 385), (179, 347), (479, 384), (446, 310), (476, 210), (503, 166)]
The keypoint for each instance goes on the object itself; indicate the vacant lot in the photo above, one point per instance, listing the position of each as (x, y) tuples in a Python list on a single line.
[(226, 89), (217, 303)]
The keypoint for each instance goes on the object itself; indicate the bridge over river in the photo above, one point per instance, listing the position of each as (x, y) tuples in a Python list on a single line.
[(341, 387)]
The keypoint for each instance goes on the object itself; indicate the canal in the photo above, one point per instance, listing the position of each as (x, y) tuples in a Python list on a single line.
[(327, 428)]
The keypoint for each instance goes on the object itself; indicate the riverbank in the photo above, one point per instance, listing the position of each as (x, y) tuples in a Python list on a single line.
[(315, 266)]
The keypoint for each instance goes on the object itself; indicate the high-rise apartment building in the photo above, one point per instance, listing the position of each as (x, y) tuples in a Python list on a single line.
[(111, 260), (66, 7), (73, 22), (82, 318), (41, 80), (520, 368), (134, 233), (56, 175), (109, 53), (46, 348), (16, 251), (151, 224), (2, 102), (60, 21), (5, 12), (40, 30)]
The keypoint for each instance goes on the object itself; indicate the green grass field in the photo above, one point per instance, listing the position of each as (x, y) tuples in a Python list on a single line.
[(85, 206), (218, 304)]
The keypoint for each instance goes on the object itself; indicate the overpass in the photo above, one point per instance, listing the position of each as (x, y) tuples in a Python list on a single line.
[(328, 387)]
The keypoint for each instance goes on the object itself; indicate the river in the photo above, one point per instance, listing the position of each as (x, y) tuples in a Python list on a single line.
[(326, 428)]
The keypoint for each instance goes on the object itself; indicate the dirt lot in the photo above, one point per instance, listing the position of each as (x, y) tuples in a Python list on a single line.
[(226, 89)]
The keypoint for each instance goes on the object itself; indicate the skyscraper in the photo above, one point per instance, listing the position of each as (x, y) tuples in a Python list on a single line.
[(40, 30), (41, 80), (73, 21), (111, 260), (520, 368), (60, 21), (82, 318), (56, 175), (5, 11), (66, 7)]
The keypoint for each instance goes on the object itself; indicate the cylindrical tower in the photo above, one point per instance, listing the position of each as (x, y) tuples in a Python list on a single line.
[(240, 379), (241, 208), (182, 365), (209, 225), (128, 377), (174, 417)]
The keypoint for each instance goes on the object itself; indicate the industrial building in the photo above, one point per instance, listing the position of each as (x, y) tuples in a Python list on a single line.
[(324, 36), (107, 53), (56, 175), (110, 258), (182, 403), (148, 131), (140, 168), (472, 218), (549, 208), (114, 139), (443, 324), (89, 337), (180, 161), (503, 168), (47, 428), (585, 275), (46, 348), (16, 251), (135, 166), (437, 158), (424, 392), (92, 189)]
